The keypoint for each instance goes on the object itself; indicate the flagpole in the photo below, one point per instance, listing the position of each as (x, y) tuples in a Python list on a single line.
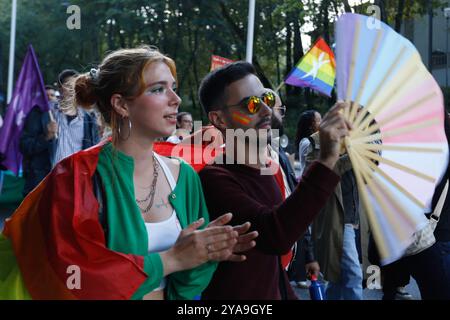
[(11, 50), (279, 87), (52, 118), (251, 24)]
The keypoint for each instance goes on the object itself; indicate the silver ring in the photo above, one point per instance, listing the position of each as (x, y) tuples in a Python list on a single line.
[(207, 248)]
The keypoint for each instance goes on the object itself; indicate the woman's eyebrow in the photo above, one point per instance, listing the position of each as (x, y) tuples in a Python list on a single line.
[(157, 82), (163, 82)]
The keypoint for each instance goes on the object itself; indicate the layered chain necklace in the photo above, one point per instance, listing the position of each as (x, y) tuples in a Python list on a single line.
[(152, 192)]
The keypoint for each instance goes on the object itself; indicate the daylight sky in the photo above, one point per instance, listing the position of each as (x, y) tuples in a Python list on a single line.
[(306, 40)]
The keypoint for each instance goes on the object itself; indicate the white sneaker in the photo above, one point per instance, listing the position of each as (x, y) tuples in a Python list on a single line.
[(302, 284), (402, 294)]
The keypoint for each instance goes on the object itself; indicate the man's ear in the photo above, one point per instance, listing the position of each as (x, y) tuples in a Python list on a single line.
[(218, 120), (120, 105)]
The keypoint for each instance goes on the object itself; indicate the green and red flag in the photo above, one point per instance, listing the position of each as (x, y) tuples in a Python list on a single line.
[(45, 240)]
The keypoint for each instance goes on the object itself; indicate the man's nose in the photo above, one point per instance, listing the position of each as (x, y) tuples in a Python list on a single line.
[(265, 110)]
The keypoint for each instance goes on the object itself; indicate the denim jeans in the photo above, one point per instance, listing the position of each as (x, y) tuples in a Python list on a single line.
[(350, 285), (430, 269), (444, 251)]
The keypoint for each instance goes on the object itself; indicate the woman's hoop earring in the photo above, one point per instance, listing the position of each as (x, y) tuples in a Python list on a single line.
[(129, 129)]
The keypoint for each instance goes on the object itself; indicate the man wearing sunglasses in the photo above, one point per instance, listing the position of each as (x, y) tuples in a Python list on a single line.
[(304, 263), (234, 98)]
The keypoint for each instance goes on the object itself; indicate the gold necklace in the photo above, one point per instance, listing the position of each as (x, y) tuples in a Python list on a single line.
[(152, 192)]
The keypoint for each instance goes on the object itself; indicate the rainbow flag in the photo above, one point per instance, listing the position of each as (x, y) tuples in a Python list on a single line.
[(316, 70)]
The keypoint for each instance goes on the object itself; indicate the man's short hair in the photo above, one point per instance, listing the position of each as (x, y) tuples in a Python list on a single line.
[(49, 87), (180, 115), (212, 88), (65, 74)]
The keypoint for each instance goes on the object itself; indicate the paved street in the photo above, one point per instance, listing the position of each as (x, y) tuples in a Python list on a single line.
[(412, 288)]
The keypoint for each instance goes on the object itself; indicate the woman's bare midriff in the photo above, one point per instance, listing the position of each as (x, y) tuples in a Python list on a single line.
[(154, 295)]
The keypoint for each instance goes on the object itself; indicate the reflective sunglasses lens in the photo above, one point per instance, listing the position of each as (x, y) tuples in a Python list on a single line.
[(269, 99), (253, 105)]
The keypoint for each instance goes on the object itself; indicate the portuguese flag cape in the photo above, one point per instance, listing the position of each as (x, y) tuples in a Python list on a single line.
[(55, 232)]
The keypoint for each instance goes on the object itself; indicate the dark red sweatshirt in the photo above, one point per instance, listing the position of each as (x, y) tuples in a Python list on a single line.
[(253, 197)]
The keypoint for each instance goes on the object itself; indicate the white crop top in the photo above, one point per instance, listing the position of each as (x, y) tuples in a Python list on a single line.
[(162, 235)]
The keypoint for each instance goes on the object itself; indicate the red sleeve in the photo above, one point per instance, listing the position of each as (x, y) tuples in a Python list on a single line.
[(278, 227)]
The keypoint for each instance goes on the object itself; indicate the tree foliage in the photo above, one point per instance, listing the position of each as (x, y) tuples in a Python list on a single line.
[(189, 31)]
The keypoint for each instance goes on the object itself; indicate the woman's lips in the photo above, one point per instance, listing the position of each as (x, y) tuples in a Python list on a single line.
[(172, 118)]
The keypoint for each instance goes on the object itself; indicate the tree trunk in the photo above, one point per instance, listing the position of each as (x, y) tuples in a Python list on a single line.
[(162, 25), (399, 15), (95, 41), (298, 46), (192, 93), (288, 50), (408, 11), (110, 36), (1, 72), (347, 7), (260, 71), (335, 5), (179, 31), (185, 73), (240, 35), (325, 21), (430, 36), (381, 4), (2, 105), (118, 25), (122, 38), (195, 67), (277, 51)]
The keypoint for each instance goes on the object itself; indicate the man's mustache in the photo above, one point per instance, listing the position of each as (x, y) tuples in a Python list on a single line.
[(267, 119)]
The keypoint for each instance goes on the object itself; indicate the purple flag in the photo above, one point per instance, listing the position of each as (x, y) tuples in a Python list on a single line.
[(29, 92)]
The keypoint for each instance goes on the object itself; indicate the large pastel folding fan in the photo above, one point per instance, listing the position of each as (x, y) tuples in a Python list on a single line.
[(397, 147)]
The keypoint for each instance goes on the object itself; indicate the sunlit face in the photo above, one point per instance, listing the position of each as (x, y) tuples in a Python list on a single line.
[(153, 114), (64, 88), (239, 116), (278, 103), (316, 122), (51, 95), (186, 123), (277, 113)]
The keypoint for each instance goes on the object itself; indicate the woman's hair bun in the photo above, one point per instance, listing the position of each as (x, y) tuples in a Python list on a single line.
[(84, 87)]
